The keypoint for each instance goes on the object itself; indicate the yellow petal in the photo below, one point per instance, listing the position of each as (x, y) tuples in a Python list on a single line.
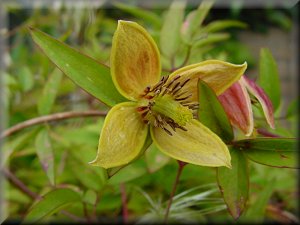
[(198, 145), (217, 74), (122, 136), (135, 60)]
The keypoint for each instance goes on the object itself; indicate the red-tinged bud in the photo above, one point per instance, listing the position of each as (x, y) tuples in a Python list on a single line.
[(262, 98), (237, 105)]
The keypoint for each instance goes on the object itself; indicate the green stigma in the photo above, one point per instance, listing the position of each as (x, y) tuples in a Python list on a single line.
[(171, 108)]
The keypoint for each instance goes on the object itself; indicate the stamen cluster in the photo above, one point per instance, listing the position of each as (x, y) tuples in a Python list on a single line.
[(164, 87)]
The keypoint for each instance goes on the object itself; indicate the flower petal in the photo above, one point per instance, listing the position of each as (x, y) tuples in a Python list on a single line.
[(237, 104), (135, 60), (217, 74), (198, 145), (122, 136), (262, 98)]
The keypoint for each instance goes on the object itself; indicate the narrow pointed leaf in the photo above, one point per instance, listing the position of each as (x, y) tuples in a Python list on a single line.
[(122, 137), (218, 25), (194, 20), (170, 32), (237, 105), (87, 73), (256, 211), (276, 152), (198, 145), (219, 75), (210, 38), (268, 77), (146, 15), (48, 96), (135, 60), (45, 153), (50, 204), (211, 113), (234, 183), (262, 98)]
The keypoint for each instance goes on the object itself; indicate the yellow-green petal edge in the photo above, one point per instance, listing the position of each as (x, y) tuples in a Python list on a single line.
[(134, 61), (198, 145), (122, 137), (219, 75)]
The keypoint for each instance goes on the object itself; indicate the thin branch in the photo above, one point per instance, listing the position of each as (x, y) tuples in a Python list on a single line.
[(22, 187), (179, 171), (49, 118), (19, 184), (124, 203)]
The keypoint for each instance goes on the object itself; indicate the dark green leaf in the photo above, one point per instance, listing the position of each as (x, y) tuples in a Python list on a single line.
[(268, 77), (84, 71), (50, 204), (234, 183), (212, 114), (170, 32), (277, 152), (47, 99), (45, 153)]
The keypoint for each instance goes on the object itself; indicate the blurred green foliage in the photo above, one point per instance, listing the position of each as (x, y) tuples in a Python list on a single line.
[(33, 87)]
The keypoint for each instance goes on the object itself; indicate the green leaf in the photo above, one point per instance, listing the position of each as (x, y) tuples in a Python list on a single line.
[(268, 77), (155, 159), (50, 204), (194, 20), (292, 109), (211, 112), (234, 183), (45, 153), (146, 15), (277, 152), (218, 25), (256, 211), (47, 99), (130, 172), (211, 38), (170, 32), (90, 75), (25, 78)]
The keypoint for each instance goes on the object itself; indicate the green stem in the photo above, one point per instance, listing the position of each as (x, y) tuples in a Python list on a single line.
[(179, 171)]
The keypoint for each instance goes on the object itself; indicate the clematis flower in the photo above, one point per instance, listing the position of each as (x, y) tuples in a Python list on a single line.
[(237, 104), (161, 106)]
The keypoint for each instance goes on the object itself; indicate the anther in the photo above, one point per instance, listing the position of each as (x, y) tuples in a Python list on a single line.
[(167, 131), (142, 108), (183, 98), (184, 83)]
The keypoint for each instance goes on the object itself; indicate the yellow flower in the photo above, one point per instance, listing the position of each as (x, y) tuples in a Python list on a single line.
[(165, 106)]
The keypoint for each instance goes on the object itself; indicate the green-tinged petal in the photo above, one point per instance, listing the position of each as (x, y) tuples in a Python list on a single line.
[(217, 74), (135, 60), (198, 145), (122, 136)]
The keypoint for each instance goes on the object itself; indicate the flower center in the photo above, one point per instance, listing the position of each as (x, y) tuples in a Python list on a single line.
[(165, 105)]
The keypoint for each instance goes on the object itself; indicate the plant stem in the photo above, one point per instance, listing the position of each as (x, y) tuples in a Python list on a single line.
[(179, 171), (22, 187), (49, 118), (124, 203)]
